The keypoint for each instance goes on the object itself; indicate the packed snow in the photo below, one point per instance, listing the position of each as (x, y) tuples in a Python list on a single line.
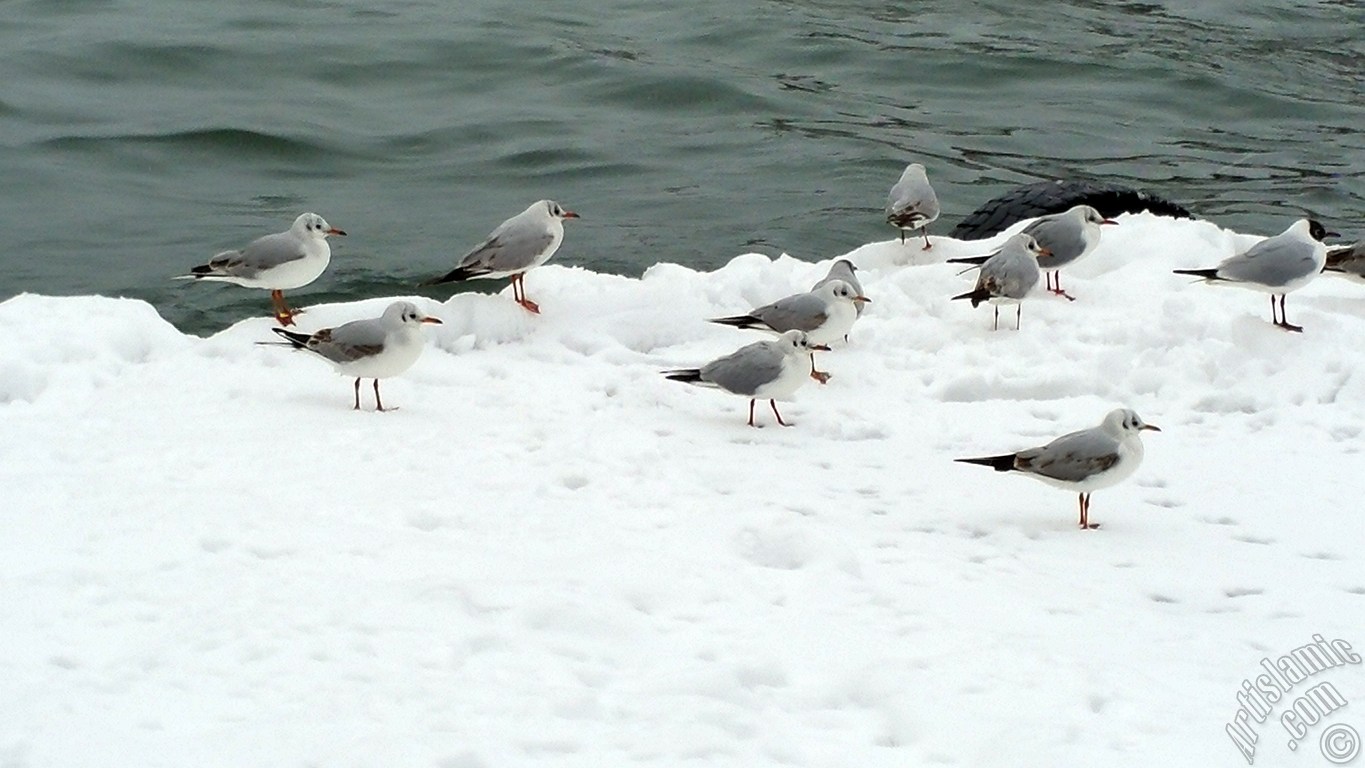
[(551, 555)]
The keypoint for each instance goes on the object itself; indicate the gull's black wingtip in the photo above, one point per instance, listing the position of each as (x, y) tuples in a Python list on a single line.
[(1207, 274), (738, 321), (685, 375), (1002, 463), (298, 340)]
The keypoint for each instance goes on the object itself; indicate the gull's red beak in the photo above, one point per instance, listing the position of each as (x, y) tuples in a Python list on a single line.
[(1109, 221), (863, 299), (335, 231), (1044, 251), (820, 347), (570, 215), (432, 320), (1152, 427)]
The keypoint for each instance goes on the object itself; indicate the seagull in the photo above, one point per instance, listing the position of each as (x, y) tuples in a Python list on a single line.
[(278, 262), (1277, 265), (1348, 260), (843, 269), (1007, 276), (377, 348), (771, 370), (826, 313), (518, 245), (912, 203), (1067, 236), (1083, 461)]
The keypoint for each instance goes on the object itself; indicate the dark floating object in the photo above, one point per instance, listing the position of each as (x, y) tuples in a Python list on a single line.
[(1043, 197)]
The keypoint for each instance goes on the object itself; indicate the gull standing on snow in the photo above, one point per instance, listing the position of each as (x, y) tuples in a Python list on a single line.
[(1067, 236), (912, 203), (278, 262), (1277, 265), (377, 348), (1348, 260), (826, 313), (1083, 461), (1007, 276), (769, 370), (518, 245)]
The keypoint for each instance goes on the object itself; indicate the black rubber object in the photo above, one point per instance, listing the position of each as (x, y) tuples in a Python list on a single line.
[(1043, 197)]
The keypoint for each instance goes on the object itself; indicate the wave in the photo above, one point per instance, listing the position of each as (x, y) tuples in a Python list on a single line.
[(237, 141)]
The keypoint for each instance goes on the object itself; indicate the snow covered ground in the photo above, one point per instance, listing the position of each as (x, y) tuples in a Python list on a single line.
[(550, 555)]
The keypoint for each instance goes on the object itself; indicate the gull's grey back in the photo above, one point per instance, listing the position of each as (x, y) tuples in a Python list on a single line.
[(351, 341), (1011, 273), (1073, 457), (747, 368), (1063, 234), (1275, 261), (513, 246), (259, 255), (913, 193), (802, 312)]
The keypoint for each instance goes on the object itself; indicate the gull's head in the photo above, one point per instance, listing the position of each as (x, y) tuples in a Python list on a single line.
[(1026, 242), (1123, 422), (798, 343), (1317, 231), (313, 225), (1092, 216), (840, 290), (844, 264), (555, 210), (405, 313)]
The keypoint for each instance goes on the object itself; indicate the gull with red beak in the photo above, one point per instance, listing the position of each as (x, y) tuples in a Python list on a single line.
[(278, 262), (1083, 461), (1277, 265), (377, 348), (517, 246), (764, 370)]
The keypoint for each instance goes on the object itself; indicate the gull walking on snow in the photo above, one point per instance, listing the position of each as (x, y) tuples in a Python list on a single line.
[(768, 370), (1277, 265), (826, 313), (1083, 461), (912, 203), (277, 263), (377, 348), (517, 246)]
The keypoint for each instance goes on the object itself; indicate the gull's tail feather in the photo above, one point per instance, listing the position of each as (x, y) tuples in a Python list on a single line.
[(977, 295), (906, 219), (1001, 463)]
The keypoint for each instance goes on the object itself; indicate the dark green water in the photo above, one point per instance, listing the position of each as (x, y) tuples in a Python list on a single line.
[(139, 138)]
